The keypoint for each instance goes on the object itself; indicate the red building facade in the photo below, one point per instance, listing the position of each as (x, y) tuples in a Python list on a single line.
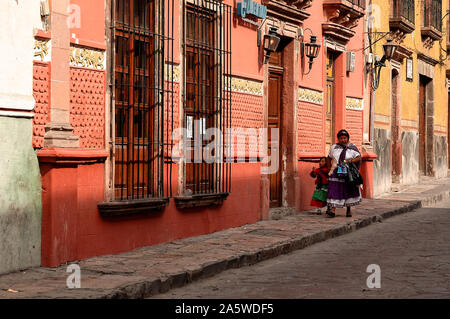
[(114, 80)]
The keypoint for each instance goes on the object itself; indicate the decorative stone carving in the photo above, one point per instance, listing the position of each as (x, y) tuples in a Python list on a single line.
[(311, 96), (427, 59), (431, 33), (402, 52), (88, 58), (428, 42), (172, 72), (292, 11), (42, 50), (244, 86), (354, 104), (342, 16)]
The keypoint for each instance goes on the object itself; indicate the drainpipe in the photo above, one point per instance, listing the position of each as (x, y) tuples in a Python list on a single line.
[(372, 116), (372, 104)]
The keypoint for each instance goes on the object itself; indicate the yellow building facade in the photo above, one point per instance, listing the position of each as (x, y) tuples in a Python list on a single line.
[(410, 104)]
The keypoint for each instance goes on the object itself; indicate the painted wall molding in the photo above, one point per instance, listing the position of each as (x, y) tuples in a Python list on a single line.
[(311, 96), (355, 104), (409, 123), (42, 50), (88, 58), (16, 101), (244, 86), (16, 114), (439, 129), (381, 118), (175, 69)]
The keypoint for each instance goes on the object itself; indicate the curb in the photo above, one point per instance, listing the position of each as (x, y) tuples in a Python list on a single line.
[(155, 286), (431, 200)]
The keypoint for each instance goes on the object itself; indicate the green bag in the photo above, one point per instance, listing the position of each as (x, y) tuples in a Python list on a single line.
[(321, 194)]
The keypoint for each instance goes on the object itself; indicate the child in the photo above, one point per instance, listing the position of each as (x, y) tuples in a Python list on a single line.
[(319, 198)]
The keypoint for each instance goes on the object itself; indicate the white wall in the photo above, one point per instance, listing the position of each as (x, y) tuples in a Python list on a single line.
[(19, 22)]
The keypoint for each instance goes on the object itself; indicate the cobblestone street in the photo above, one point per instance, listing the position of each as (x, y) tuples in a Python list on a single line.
[(411, 249)]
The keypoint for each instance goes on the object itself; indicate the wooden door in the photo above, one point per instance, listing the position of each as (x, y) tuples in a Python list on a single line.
[(274, 121), (396, 157), (422, 126), (330, 117)]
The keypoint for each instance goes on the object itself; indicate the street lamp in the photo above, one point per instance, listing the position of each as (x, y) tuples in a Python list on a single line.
[(389, 50), (270, 43), (310, 49)]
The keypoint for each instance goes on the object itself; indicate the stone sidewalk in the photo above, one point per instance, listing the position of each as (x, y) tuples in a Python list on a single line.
[(156, 269)]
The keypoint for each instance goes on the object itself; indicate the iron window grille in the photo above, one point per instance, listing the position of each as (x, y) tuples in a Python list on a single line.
[(359, 3), (142, 44), (433, 14), (404, 9), (206, 91)]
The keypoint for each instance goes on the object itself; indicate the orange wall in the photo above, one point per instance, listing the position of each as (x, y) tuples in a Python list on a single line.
[(315, 79), (73, 191), (92, 23), (246, 59)]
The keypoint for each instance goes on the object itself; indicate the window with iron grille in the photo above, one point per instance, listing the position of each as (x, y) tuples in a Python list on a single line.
[(432, 14), (142, 44), (403, 9), (206, 101), (359, 3)]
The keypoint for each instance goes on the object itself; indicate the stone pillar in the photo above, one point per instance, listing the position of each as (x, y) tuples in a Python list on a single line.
[(59, 132), (291, 191)]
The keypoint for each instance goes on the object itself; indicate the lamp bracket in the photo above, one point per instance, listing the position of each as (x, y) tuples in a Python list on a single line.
[(258, 32), (251, 22)]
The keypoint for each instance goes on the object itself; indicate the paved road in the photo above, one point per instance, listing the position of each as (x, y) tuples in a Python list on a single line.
[(412, 250)]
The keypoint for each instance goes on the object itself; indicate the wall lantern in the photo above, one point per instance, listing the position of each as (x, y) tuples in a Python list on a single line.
[(389, 50), (270, 43), (311, 50)]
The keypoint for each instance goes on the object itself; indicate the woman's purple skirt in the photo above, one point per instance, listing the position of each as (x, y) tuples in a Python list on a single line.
[(340, 194)]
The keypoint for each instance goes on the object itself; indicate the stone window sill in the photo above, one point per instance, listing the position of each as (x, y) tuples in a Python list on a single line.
[(432, 32), (200, 200), (131, 207)]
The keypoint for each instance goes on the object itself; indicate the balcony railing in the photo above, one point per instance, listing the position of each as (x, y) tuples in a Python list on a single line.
[(402, 16), (403, 9), (433, 14), (359, 3)]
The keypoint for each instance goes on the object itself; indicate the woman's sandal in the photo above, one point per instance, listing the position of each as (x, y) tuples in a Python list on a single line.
[(330, 214)]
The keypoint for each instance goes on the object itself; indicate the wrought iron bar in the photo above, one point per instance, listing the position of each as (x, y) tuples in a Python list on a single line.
[(141, 96)]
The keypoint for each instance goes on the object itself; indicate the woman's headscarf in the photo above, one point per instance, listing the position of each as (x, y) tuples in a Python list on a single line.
[(343, 133), (349, 146)]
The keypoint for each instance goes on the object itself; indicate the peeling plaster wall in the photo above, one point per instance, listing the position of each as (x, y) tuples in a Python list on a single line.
[(410, 157), (382, 179), (440, 156), (20, 197), (20, 184)]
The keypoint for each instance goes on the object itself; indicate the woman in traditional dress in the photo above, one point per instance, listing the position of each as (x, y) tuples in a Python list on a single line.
[(341, 194)]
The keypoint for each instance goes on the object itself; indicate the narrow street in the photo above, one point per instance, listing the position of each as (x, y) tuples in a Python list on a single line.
[(412, 250)]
